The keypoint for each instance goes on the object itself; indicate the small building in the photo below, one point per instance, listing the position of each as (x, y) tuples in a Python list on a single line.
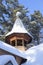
[(18, 36)]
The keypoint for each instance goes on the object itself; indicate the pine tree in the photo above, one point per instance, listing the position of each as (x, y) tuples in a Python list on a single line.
[(35, 24), (8, 9)]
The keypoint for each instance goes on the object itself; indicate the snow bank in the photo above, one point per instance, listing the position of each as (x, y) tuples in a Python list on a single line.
[(34, 55), (6, 58)]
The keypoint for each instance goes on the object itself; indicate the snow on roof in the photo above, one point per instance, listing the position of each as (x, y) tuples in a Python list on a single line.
[(34, 55), (18, 26), (18, 14), (6, 58), (11, 49)]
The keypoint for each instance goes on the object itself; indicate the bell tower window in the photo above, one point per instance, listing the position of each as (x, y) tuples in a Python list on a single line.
[(13, 43), (19, 42)]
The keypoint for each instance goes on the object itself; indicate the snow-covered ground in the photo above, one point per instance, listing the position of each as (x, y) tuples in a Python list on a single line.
[(34, 55), (6, 58)]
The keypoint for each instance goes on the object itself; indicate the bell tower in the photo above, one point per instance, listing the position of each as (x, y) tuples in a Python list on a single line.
[(18, 36)]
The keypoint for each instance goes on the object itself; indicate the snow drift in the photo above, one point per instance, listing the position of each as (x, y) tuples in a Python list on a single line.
[(34, 55)]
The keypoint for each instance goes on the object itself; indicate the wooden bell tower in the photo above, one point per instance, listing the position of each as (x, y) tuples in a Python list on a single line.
[(18, 36)]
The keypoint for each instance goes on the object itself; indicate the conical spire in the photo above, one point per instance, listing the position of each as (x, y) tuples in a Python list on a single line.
[(18, 26)]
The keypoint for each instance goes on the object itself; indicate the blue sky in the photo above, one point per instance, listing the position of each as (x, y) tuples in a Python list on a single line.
[(33, 5)]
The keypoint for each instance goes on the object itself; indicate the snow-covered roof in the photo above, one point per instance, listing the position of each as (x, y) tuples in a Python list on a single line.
[(34, 55), (18, 26), (6, 58), (11, 49)]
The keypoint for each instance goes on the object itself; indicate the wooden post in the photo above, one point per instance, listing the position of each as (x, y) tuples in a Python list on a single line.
[(10, 42), (22, 42), (16, 42)]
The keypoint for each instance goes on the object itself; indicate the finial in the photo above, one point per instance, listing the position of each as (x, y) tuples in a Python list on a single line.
[(18, 14)]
